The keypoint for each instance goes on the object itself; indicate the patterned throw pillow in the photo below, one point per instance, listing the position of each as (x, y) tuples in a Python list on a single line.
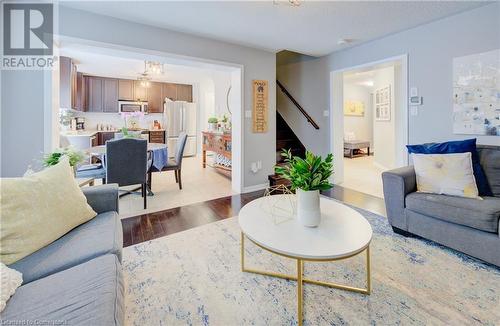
[(445, 174), (10, 280)]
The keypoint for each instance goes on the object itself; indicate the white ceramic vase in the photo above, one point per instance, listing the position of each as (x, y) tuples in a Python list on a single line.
[(308, 209)]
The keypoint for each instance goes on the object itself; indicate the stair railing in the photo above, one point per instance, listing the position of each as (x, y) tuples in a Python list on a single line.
[(301, 109)]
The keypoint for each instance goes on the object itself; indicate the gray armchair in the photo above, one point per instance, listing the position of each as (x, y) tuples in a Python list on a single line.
[(464, 224), (126, 163)]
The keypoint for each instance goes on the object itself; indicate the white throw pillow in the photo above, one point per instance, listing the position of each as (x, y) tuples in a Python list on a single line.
[(10, 280), (446, 174)]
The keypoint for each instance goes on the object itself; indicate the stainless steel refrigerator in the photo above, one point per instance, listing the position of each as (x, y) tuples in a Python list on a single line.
[(180, 116)]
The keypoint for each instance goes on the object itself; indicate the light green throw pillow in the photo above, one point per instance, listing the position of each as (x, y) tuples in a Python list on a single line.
[(38, 209), (446, 174)]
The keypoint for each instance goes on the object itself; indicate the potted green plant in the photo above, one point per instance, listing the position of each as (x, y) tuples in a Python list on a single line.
[(212, 123), (307, 177), (74, 156)]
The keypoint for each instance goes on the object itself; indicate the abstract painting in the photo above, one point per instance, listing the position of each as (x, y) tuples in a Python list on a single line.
[(476, 94), (354, 108)]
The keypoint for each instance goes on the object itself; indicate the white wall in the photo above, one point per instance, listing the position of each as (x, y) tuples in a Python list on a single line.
[(361, 126), (384, 131)]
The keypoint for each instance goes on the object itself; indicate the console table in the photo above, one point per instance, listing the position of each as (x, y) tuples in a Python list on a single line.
[(220, 144)]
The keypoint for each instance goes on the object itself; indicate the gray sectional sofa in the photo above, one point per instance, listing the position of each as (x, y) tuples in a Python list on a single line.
[(467, 225), (77, 279)]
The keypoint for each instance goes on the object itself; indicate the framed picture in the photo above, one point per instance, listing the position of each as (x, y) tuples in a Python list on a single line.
[(354, 108), (383, 104)]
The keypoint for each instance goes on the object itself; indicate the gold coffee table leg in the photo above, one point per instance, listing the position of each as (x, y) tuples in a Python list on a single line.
[(299, 291), (300, 276)]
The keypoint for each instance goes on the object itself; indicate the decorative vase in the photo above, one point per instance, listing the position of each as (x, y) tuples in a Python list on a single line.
[(308, 209)]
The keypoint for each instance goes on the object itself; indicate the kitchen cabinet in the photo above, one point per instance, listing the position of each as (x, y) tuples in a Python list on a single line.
[(169, 90), (126, 89), (155, 99), (140, 93), (81, 99), (157, 136), (104, 136), (95, 94), (68, 84), (110, 95), (184, 93)]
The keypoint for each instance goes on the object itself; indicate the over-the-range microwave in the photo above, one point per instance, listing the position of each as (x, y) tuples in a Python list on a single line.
[(132, 106)]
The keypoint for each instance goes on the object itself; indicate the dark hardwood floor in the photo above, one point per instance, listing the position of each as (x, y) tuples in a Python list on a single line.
[(150, 226)]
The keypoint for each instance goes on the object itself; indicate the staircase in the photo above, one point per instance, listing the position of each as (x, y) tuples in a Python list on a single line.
[(286, 138)]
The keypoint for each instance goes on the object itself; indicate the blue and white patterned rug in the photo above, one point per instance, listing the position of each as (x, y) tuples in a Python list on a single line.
[(194, 278)]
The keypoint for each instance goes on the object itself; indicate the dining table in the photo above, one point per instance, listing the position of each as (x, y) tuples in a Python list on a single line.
[(158, 157)]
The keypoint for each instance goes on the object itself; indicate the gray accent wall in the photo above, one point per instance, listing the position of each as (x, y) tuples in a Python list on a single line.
[(22, 120), (430, 48)]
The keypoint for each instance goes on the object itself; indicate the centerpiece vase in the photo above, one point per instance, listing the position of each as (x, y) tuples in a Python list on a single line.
[(308, 208)]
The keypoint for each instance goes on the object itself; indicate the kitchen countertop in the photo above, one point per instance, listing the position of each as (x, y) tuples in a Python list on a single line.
[(92, 132)]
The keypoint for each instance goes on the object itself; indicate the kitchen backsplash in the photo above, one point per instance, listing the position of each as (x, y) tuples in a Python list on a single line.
[(115, 120)]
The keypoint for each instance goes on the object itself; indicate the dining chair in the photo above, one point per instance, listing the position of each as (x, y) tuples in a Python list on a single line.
[(126, 163), (176, 164)]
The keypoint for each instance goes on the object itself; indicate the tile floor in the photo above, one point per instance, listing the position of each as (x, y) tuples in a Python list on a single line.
[(362, 175), (198, 185)]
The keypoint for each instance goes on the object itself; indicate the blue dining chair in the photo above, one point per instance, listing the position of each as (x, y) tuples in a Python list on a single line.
[(127, 163)]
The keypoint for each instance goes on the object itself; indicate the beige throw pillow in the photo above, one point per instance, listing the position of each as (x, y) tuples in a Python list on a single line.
[(447, 174), (38, 209)]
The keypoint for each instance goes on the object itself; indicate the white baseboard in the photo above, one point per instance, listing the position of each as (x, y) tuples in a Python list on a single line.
[(255, 188), (380, 166)]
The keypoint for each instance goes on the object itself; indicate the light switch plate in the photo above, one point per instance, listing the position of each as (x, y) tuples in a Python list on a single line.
[(326, 113), (413, 91), (248, 114)]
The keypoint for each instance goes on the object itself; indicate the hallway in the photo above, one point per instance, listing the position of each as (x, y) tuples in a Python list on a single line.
[(362, 175)]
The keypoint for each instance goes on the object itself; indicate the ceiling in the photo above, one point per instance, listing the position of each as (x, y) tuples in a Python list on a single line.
[(313, 28), (127, 65)]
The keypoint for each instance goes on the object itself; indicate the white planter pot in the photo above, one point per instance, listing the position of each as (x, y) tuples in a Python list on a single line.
[(212, 126), (308, 210)]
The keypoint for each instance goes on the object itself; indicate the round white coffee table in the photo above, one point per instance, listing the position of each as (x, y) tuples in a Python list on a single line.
[(269, 223)]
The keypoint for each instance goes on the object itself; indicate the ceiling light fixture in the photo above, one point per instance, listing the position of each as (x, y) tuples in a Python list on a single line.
[(144, 80), (153, 68), (293, 3)]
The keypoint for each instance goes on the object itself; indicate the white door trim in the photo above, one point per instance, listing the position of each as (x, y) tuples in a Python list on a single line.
[(337, 114)]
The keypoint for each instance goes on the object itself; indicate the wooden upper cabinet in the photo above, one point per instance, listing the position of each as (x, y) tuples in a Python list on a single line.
[(126, 89), (169, 90), (95, 94), (110, 95), (67, 84), (80, 93), (155, 99), (184, 93), (140, 93)]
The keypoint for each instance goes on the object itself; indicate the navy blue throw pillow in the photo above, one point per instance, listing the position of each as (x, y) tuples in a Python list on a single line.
[(458, 146)]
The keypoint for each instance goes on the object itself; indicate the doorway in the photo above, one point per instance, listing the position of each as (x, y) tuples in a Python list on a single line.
[(210, 83), (369, 122)]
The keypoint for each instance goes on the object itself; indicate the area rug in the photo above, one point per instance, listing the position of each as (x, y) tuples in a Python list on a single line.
[(194, 278)]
